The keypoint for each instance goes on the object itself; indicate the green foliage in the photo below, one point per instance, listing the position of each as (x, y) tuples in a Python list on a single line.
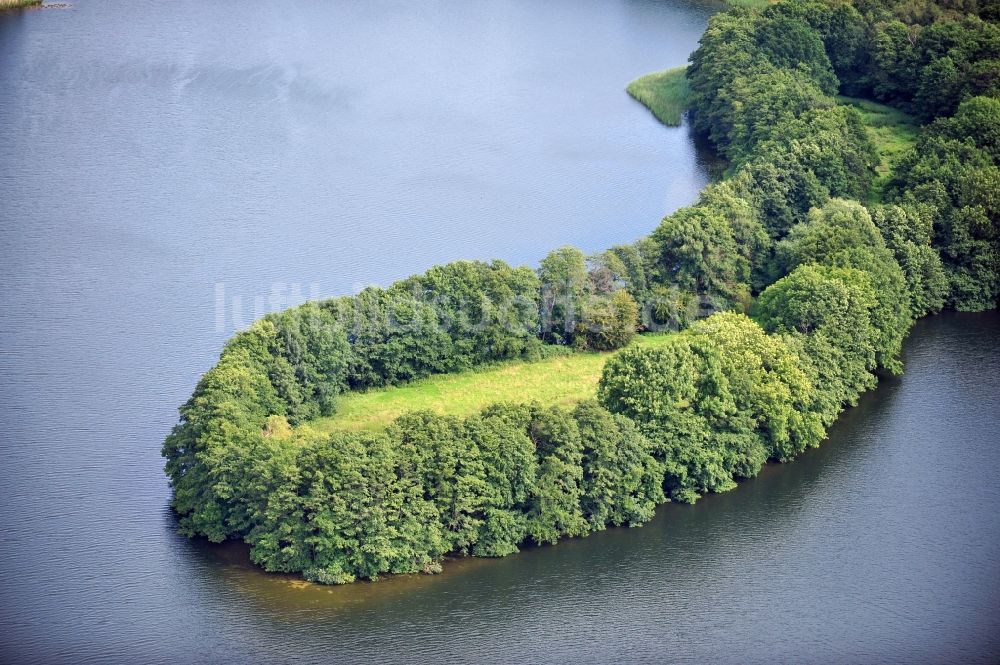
[(842, 234), (791, 44), (348, 506), (956, 183), (609, 323), (584, 301), (563, 275), (501, 435), (978, 119), (453, 317), (16, 4), (395, 337), (817, 298), (766, 402), (763, 101), (833, 144), (554, 508), (719, 400), (908, 232), (760, 91), (843, 31), (622, 482), (753, 242), (226, 411), (828, 316), (705, 258), (310, 357), (929, 64), (631, 268), (751, 72), (697, 252), (294, 364), (361, 512), (564, 379), (756, 4), (727, 50), (821, 152), (781, 189), (837, 227), (451, 472)]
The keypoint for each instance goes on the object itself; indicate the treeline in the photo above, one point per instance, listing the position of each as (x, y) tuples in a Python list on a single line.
[(792, 296), (947, 188), (361, 504)]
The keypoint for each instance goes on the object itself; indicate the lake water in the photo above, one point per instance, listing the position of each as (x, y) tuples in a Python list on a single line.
[(168, 171)]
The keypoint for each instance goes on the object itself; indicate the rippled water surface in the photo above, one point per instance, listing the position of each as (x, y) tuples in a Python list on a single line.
[(170, 170)]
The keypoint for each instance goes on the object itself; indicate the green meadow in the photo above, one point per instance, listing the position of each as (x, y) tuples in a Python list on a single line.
[(753, 4), (563, 380), (893, 133)]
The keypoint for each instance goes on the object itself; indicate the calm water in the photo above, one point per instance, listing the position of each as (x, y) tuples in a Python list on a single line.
[(170, 170)]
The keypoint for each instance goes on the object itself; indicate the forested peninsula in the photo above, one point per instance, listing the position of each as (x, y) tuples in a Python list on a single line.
[(778, 299)]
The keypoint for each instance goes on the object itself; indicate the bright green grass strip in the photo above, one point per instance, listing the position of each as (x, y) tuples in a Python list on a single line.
[(564, 380), (664, 93), (14, 4), (893, 132), (753, 4)]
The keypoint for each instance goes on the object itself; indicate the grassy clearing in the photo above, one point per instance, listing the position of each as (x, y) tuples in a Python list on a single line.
[(664, 93), (564, 381), (893, 132)]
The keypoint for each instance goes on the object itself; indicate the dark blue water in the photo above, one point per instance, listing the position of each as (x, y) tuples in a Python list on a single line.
[(169, 171)]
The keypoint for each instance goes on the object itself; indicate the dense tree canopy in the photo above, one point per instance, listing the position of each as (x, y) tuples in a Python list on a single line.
[(719, 401), (563, 274), (953, 178), (908, 233), (828, 315), (842, 234)]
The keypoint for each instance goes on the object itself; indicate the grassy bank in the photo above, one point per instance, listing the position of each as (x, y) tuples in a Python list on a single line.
[(754, 4), (563, 381), (15, 4), (664, 93), (892, 131)]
